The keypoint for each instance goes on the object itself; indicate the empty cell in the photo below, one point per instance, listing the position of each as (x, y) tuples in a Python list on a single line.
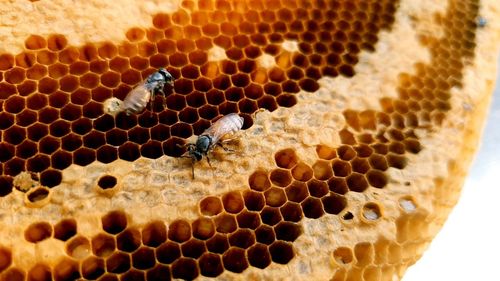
[(114, 222), (131, 77), (396, 161), (343, 255), (254, 201), (270, 215), (26, 149), (133, 275), (203, 228), (322, 170), (118, 262), (26, 117), (128, 240), (6, 61), (78, 247), (280, 177), (297, 191), (178, 59), (81, 126), (377, 178), (71, 142), (15, 75), (5, 185), (66, 269), (363, 150), (139, 135), (108, 277), (107, 154), (267, 102), (179, 231), (357, 182), (14, 134), (233, 202), (247, 106), (334, 203), (47, 144), (116, 137), (94, 139), (242, 238), (291, 211), (14, 166), (37, 194), (360, 165), (143, 258), (317, 188), (210, 265), (50, 177), (39, 272), (281, 252), (185, 268), (38, 231), (47, 85), (14, 104), (24, 89), (159, 272), (7, 151), (193, 248), (225, 223), (168, 252), (7, 90), (312, 208), (84, 156), (36, 101), (248, 219), (106, 182), (36, 72), (170, 147), (235, 260), (210, 206), (35, 42), (218, 243), (287, 231), (38, 163), (265, 234), (302, 172), (71, 112)]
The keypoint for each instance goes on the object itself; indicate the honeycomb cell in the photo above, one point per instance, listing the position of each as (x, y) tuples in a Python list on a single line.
[(179, 231), (14, 274), (334, 203), (233, 202), (128, 240), (71, 142), (185, 268), (78, 247), (38, 194), (210, 206), (287, 231), (343, 255), (106, 182), (281, 252), (118, 262), (225, 223), (286, 158), (317, 188), (270, 215), (357, 182), (297, 191), (50, 177), (377, 178), (7, 151), (133, 275), (39, 272), (92, 268), (38, 231), (203, 228), (114, 222), (193, 248), (254, 201), (5, 258), (66, 269), (143, 258), (81, 126), (371, 211), (14, 166), (275, 197), (14, 104), (108, 277), (26, 149), (280, 177), (103, 245), (154, 234), (218, 243), (312, 208), (242, 238), (291, 211), (159, 272), (210, 265), (235, 260)]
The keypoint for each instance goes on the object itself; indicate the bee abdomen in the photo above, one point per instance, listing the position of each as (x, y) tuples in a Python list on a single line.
[(136, 100)]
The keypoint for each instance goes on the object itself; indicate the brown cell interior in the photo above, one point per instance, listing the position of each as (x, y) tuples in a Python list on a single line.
[(52, 95)]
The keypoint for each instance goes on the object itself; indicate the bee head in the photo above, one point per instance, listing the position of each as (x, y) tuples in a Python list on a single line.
[(167, 77), (203, 143)]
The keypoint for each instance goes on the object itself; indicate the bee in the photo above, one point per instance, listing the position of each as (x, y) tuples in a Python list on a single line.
[(145, 92), (213, 136)]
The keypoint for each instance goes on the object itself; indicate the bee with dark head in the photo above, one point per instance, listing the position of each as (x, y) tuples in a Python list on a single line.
[(145, 92), (213, 136)]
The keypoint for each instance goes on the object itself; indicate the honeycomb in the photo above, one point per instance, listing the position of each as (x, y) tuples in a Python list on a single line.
[(237, 57)]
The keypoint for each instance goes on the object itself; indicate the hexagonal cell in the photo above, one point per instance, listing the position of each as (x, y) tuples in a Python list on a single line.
[(317, 188), (203, 228), (302, 172), (287, 231), (185, 268), (103, 245), (78, 247), (114, 222), (281, 252), (371, 211), (128, 240), (280, 177), (38, 196), (108, 277), (154, 233), (235, 260), (312, 208), (5, 258), (242, 238), (210, 265), (193, 248), (66, 269), (92, 268), (357, 182), (38, 231), (254, 201), (270, 215), (225, 223), (40, 272), (118, 262), (259, 181), (343, 255), (179, 231), (291, 211), (133, 275), (143, 258), (210, 206), (159, 273), (286, 158), (26, 149), (14, 135), (275, 197), (233, 202)]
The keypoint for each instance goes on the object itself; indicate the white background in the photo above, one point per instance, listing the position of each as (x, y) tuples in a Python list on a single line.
[(468, 246)]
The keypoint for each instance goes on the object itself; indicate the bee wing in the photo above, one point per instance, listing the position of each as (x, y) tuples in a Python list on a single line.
[(230, 123)]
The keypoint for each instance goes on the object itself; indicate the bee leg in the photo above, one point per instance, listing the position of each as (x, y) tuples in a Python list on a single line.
[(225, 148), (208, 161), (192, 168)]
